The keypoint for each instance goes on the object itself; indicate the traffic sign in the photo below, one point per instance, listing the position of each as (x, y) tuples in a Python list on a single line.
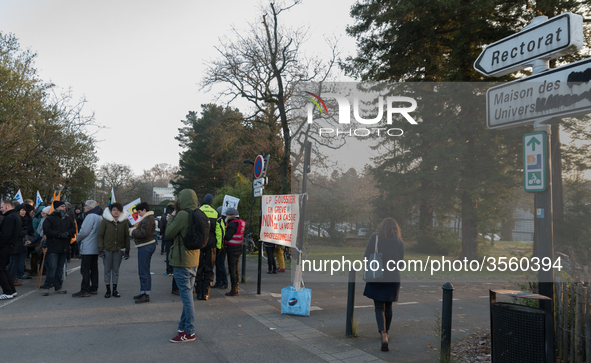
[(258, 192), (259, 166), (259, 182), (556, 93), (534, 162), (563, 34)]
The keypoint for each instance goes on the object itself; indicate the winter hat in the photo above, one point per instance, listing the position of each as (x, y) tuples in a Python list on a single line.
[(208, 199), (46, 210), (219, 210), (232, 212), (57, 203)]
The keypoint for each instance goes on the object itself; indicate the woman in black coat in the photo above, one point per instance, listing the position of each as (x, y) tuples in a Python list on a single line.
[(385, 292)]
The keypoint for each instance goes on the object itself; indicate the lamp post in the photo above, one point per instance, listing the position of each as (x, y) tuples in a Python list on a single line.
[(243, 280)]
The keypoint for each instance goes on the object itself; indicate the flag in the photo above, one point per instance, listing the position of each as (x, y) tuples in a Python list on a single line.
[(39, 200), (112, 197), (19, 197)]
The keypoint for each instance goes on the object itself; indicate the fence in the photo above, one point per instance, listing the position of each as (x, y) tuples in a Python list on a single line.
[(573, 319)]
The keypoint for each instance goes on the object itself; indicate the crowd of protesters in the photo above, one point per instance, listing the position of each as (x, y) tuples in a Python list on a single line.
[(53, 235)]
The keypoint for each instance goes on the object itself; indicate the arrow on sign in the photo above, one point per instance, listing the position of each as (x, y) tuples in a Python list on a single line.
[(533, 141)]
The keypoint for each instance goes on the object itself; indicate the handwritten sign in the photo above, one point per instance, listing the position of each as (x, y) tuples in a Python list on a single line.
[(281, 214), (132, 214)]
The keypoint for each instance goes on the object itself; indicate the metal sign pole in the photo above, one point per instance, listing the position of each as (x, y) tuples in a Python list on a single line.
[(300, 240)]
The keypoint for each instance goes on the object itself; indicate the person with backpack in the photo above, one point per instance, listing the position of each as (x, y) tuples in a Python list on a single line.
[(207, 258), (233, 241), (144, 236), (183, 260)]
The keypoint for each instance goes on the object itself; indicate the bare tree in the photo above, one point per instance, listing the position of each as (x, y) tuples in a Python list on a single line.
[(265, 66)]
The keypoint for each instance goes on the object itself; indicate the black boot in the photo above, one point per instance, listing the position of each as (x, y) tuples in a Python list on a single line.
[(108, 293), (199, 289), (115, 292)]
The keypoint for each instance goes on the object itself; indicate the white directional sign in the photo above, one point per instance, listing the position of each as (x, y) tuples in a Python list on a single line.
[(258, 183), (534, 162), (553, 38), (556, 93), (258, 192)]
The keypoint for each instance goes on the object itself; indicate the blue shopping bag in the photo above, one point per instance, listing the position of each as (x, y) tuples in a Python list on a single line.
[(296, 302)]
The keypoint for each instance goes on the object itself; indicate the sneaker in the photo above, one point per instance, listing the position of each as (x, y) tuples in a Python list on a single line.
[(61, 291), (81, 294), (14, 294), (281, 270), (183, 337), (45, 292), (5, 297)]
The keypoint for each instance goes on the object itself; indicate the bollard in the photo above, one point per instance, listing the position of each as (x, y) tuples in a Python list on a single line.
[(350, 303), (448, 295)]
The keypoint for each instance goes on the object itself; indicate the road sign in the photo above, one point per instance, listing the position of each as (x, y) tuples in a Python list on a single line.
[(259, 182), (258, 192), (553, 38), (556, 93), (534, 162), (259, 166)]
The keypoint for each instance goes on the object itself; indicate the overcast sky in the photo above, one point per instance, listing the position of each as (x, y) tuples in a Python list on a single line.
[(139, 63)]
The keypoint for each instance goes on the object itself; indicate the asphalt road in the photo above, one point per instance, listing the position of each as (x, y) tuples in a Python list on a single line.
[(249, 328)]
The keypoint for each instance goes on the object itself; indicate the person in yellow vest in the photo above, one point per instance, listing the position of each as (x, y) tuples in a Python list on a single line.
[(221, 276), (233, 240), (205, 271)]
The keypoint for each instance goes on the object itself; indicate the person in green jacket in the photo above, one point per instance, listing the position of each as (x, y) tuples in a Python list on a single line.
[(113, 236), (184, 263)]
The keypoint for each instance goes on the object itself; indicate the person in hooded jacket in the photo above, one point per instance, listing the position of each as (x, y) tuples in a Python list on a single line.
[(184, 263), (113, 237), (59, 229), (89, 251)]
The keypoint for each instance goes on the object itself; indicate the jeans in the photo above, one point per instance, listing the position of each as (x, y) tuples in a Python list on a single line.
[(20, 272), (89, 271), (144, 257), (55, 266), (185, 278), (383, 314), (221, 276), (234, 252)]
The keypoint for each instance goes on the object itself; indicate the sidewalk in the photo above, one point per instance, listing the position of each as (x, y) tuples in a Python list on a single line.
[(248, 328)]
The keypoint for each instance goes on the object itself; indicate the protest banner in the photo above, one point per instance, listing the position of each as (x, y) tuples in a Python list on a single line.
[(229, 202), (281, 215), (132, 214)]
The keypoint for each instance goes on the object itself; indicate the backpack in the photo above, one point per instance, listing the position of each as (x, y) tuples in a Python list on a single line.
[(198, 234)]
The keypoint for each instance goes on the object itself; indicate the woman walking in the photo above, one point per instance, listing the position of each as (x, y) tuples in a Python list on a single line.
[(113, 236), (385, 292)]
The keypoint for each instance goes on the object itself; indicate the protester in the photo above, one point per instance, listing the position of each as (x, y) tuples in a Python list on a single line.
[(163, 224), (144, 239), (207, 257), (221, 276), (233, 241), (113, 236), (59, 230), (184, 263), (270, 249), (10, 229), (19, 252), (385, 292), (37, 220), (88, 241), (280, 258)]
